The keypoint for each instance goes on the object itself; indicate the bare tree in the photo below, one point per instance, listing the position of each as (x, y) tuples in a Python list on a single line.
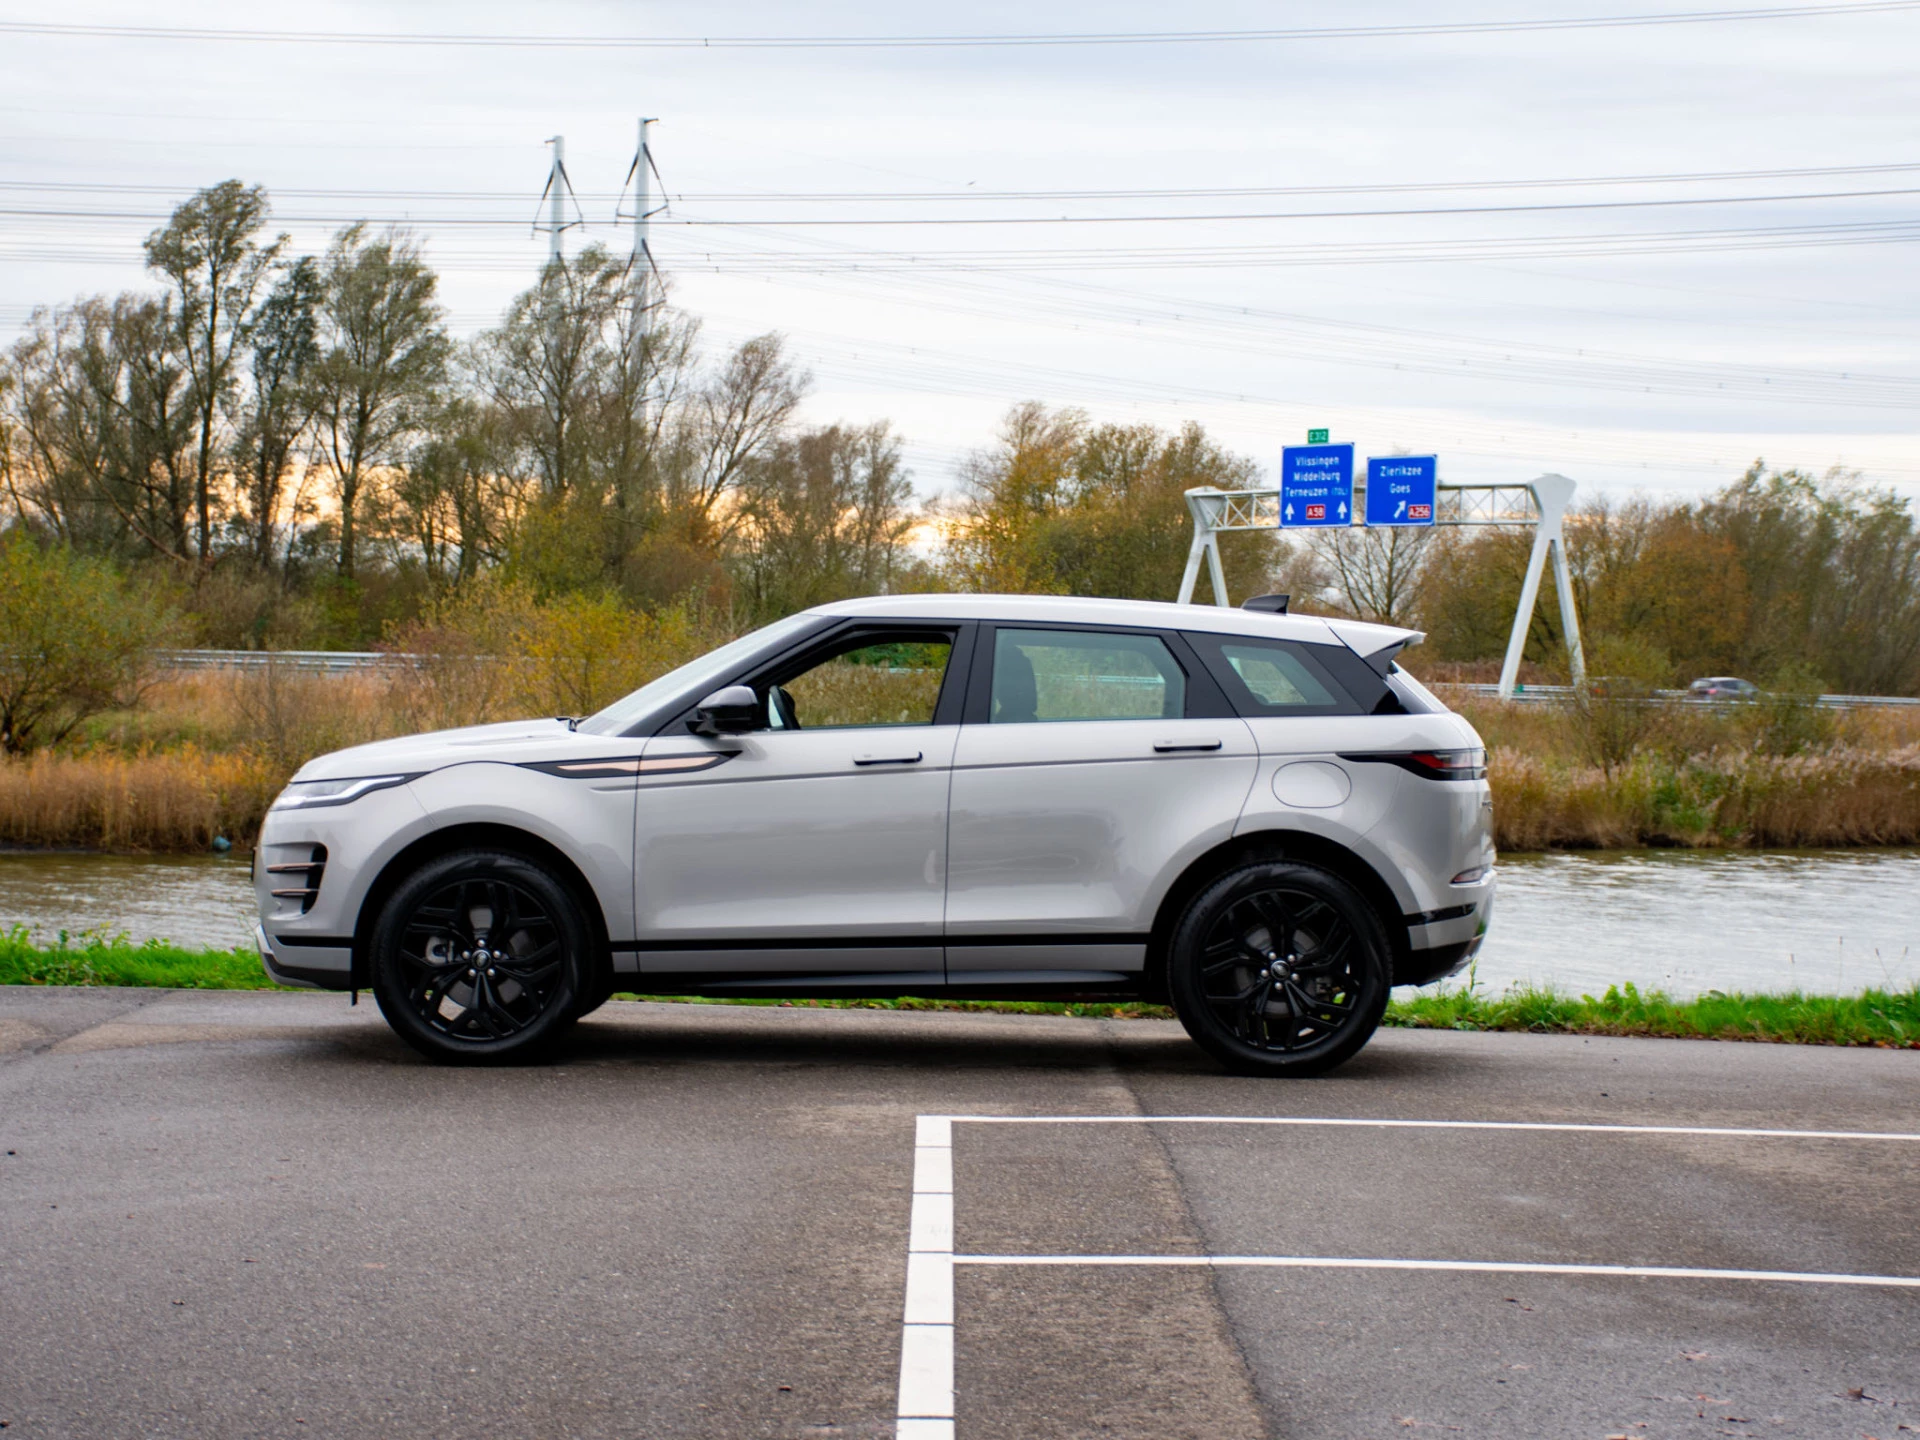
[(731, 420), (555, 362), (383, 353), (211, 255), (282, 345), (100, 406), (1373, 573)]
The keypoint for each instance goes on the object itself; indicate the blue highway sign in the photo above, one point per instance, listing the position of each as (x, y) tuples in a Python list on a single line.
[(1400, 489), (1316, 485)]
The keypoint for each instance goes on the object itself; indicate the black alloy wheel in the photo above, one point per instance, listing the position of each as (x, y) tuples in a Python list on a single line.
[(1279, 968), (481, 956)]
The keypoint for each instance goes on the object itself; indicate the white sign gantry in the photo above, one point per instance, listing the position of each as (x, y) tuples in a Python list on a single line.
[(1541, 504)]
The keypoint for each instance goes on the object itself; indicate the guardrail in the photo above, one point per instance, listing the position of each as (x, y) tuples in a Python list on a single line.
[(305, 662), (1560, 694)]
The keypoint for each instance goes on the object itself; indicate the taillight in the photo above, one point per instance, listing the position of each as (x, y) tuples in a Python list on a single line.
[(1433, 764)]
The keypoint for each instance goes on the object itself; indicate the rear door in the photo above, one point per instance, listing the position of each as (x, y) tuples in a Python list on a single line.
[(1094, 764)]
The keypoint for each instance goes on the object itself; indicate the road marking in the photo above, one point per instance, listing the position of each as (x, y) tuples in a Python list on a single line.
[(1487, 1267), (1548, 1125), (925, 1409)]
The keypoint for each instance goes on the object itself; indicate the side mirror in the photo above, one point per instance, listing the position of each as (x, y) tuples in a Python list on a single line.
[(733, 710)]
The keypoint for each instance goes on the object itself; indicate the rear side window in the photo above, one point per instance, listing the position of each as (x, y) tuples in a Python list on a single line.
[(1276, 677), (1042, 675)]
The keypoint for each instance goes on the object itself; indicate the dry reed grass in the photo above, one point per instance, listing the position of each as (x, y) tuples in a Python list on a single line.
[(1703, 777), (175, 801), (209, 750)]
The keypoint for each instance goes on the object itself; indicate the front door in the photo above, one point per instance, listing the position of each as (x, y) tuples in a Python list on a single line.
[(814, 846), (1093, 766)]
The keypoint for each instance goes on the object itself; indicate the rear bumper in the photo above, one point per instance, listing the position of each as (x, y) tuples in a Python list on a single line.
[(1441, 942)]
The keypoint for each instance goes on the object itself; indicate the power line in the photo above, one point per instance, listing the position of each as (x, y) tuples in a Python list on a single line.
[(1309, 214), (943, 42), (997, 220), (1346, 252), (917, 196)]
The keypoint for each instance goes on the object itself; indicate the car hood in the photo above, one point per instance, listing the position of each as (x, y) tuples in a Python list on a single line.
[(511, 742)]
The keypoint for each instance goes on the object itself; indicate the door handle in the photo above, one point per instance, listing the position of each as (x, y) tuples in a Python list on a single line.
[(883, 757), (1174, 747)]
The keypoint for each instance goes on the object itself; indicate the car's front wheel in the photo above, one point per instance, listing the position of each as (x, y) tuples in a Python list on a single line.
[(480, 956), (1279, 968)]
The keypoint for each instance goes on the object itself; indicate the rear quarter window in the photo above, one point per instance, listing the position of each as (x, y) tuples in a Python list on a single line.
[(1271, 677)]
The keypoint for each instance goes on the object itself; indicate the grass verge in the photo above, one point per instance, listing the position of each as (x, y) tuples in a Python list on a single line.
[(1887, 1019), (93, 958), (1874, 1017)]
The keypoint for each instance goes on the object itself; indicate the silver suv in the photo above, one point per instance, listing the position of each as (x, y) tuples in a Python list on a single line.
[(1257, 818)]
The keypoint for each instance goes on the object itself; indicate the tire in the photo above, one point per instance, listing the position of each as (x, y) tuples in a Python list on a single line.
[(597, 992), (481, 957), (1241, 1000)]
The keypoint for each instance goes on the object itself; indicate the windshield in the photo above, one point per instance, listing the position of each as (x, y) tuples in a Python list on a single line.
[(693, 675)]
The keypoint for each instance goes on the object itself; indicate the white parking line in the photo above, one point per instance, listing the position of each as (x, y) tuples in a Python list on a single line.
[(925, 1410), (1343, 1122), (1488, 1267)]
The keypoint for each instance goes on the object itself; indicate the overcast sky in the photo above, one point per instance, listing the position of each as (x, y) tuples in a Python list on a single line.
[(1657, 347)]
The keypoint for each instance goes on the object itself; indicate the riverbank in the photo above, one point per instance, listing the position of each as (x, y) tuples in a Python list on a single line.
[(206, 753), (1880, 1018)]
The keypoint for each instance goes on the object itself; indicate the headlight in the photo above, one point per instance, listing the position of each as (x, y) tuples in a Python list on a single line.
[(306, 794)]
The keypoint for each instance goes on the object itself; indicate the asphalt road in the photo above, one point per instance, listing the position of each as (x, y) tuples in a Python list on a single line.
[(259, 1215)]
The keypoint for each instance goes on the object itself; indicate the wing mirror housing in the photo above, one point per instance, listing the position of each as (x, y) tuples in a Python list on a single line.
[(731, 710)]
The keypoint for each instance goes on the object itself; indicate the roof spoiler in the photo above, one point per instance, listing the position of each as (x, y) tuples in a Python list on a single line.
[(1378, 645)]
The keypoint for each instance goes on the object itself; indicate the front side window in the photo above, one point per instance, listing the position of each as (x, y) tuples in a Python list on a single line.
[(695, 677), (875, 682), (1041, 675)]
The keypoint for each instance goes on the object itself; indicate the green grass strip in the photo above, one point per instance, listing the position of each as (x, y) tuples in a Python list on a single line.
[(1876, 1017), (94, 958)]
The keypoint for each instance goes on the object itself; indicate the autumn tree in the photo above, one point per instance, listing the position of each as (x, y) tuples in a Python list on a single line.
[(211, 255), (825, 514), (1833, 569), (281, 347), (383, 355), (1061, 505)]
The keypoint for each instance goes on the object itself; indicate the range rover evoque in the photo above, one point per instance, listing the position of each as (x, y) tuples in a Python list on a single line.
[(1255, 817)]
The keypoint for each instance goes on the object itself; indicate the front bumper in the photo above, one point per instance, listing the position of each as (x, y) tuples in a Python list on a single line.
[(312, 967)]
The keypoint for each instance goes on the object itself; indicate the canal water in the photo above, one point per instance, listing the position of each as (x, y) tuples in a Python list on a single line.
[(1827, 922)]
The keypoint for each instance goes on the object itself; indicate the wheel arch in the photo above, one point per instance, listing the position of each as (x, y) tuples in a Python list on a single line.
[(469, 837), (1258, 845)]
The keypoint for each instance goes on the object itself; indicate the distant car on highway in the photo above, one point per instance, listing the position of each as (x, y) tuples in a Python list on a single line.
[(1256, 817), (1723, 687)]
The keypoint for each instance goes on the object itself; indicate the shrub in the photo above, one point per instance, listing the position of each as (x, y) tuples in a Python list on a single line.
[(75, 639)]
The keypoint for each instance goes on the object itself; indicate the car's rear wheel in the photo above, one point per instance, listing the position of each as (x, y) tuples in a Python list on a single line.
[(480, 956), (1279, 968)]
